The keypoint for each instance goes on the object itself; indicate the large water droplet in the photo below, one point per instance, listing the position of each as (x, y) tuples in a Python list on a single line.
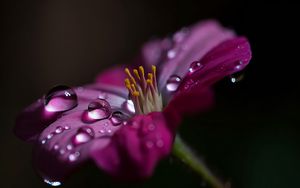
[(60, 98), (74, 156), (195, 66), (83, 135), (129, 106), (173, 83), (117, 118), (97, 110), (52, 183)]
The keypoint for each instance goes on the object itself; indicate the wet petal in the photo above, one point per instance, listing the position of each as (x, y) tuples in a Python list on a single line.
[(66, 144), (35, 118), (191, 44), (225, 59), (136, 148)]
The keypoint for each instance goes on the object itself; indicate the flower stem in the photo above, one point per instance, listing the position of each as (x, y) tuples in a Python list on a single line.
[(185, 154)]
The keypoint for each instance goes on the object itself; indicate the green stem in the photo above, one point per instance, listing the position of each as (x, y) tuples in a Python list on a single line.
[(185, 154)]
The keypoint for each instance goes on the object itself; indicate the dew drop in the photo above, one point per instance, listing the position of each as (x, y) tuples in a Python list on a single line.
[(151, 127), (67, 127), (49, 136), (83, 135), (173, 83), (102, 96), (69, 147), (74, 156), (97, 110), (237, 77), (129, 106), (180, 35), (43, 141), (195, 66), (56, 147), (52, 183), (171, 54), (117, 118), (60, 98), (59, 129)]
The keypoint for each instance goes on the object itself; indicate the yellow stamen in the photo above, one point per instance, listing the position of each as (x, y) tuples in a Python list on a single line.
[(130, 76), (142, 71), (136, 73)]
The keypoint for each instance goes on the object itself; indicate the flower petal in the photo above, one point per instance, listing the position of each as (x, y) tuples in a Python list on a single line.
[(189, 103), (66, 144), (136, 148), (194, 92), (225, 59), (190, 45), (114, 77), (35, 118)]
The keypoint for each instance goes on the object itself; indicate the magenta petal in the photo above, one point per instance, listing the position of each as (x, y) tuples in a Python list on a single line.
[(137, 147), (189, 103), (66, 144), (190, 45), (114, 77), (227, 58)]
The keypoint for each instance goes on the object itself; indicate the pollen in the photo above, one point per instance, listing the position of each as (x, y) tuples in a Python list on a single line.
[(143, 91)]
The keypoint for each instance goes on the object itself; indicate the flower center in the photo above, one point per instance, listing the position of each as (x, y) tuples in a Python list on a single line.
[(143, 91)]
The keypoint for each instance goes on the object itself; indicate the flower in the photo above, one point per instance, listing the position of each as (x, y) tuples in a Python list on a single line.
[(127, 128)]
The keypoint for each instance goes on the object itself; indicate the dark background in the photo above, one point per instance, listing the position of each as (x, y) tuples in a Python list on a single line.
[(250, 138)]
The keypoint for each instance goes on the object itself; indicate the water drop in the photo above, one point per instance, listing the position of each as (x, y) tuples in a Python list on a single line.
[(83, 135), (59, 129), (67, 127), (195, 66), (102, 96), (52, 183), (60, 98), (237, 77), (173, 83), (49, 136), (171, 54), (69, 147), (56, 147), (62, 151), (151, 127), (180, 35), (74, 156), (97, 110), (117, 118), (238, 65), (129, 106), (43, 141)]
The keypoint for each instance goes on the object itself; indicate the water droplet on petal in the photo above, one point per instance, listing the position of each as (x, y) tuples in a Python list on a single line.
[(62, 151), (83, 135), (69, 147), (49, 136), (173, 83), (151, 127), (97, 110), (67, 127), (60, 98), (56, 147), (239, 65), (59, 129), (102, 96), (171, 54), (117, 118), (43, 141), (129, 106), (195, 66), (180, 35), (52, 183), (74, 156)]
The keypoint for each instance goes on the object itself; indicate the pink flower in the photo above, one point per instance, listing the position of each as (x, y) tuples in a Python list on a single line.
[(126, 129)]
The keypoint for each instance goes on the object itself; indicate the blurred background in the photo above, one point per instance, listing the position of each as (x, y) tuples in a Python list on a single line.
[(251, 138)]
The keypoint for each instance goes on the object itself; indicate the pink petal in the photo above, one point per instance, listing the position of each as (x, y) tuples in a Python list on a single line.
[(114, 77), (225, 59), (190, 45), (66, 144), (35, 118), (189, 103), (194, 93), (135, 149)]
